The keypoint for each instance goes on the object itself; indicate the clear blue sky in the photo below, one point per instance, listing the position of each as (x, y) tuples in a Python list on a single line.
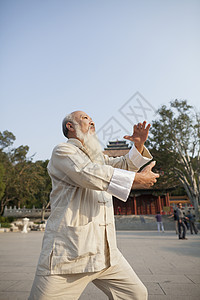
[(57, 56)]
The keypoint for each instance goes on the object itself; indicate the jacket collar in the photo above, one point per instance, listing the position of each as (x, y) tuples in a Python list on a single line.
[(75, 142), (78, 144)]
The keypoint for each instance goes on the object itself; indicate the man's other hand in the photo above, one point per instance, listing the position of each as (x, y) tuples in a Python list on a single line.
[(146, 178)]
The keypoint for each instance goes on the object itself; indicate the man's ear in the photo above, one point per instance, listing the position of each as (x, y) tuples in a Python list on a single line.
[(70, 126)]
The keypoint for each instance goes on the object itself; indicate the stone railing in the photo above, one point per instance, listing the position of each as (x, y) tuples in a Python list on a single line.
[(25, 212)]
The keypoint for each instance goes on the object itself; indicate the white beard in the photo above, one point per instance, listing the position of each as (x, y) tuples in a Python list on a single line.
[(92, 144)]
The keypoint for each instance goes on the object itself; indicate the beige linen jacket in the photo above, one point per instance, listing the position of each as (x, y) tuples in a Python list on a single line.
[(81, 211)]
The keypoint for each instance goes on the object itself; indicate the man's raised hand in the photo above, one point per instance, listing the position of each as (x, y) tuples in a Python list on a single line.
[(139, 136)]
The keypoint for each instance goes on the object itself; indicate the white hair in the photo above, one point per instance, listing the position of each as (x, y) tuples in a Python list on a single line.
[(68, 118)]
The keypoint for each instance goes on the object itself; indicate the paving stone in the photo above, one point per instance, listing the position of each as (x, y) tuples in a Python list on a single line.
[(165, 278), (14, 296), (154, 288), (141, 270), (167, 297), (181, 289), (13, 263), (18, 269), (165, 270), (4, 285), (20, 286), (18, 276), (194, 278)]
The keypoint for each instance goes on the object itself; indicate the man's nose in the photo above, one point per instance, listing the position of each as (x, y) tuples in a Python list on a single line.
[(92, 123)]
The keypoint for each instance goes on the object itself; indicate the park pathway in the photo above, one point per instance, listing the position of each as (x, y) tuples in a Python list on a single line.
[(169, 268)]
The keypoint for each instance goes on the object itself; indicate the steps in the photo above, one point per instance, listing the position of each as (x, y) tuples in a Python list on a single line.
[(144, 222)]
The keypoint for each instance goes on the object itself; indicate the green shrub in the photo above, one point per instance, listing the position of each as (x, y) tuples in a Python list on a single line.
[(5, 225), (10, 219), (2, 219), (6, 219)]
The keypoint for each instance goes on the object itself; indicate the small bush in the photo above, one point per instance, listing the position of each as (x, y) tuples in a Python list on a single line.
[(5, 225), (2, 219), (10, 219), (6, 219)]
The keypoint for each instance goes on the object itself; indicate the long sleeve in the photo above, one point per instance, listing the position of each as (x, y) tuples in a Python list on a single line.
[(132, 161), (122, 180), (121, 183)]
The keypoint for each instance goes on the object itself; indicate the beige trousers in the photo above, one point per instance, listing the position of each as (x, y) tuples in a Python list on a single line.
[(117, 282)]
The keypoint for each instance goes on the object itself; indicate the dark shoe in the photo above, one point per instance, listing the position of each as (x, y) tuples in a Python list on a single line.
[(184, 238), (180, 238)]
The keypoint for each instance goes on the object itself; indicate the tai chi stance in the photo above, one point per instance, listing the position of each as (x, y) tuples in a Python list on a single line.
[(79, 244)]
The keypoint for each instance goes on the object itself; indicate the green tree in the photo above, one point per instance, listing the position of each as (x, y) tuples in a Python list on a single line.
[(43, 186), (175, 143), (22, 181), (17, 187), (6, 139), (2, 183)]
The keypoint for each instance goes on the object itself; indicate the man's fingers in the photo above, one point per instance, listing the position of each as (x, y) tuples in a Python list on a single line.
[(144, 124), (151, 165), (127, 137), (150, 184), (148, 126)]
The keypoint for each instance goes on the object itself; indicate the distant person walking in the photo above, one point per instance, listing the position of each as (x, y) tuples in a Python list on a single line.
[(182, 229), (191, 219), (175, 219), (159, 222), (186, 221), (119, 210)]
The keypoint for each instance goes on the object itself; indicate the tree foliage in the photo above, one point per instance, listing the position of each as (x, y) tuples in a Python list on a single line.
[(175, 142), (6, 139), (22, 181)]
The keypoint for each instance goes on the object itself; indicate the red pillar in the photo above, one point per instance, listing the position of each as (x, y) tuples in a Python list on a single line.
[(135, 205), (162, 202), (167, 200), (132, 206), (159, 204)]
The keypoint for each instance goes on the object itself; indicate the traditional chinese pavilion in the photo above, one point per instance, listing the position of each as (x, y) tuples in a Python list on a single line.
[(117, 148), (143, 202), (140, 202)]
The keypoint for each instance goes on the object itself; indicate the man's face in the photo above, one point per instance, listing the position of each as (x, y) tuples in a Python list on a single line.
[(85, 132), (84, 121)]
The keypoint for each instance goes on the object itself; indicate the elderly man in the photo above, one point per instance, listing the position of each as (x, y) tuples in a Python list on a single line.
[(79, 244)]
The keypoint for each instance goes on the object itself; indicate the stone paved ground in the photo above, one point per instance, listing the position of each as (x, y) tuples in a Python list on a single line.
[(170, 268)]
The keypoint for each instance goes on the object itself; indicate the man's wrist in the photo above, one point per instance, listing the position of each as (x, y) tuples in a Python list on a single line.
[(138, 178), (139, 147)]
